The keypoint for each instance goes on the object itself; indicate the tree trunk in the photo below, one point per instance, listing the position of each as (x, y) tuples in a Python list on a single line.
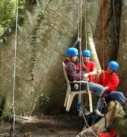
[(91, 15)]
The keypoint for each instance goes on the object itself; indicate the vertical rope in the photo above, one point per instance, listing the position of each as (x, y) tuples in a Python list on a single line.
[(78, 17), (15, 49), (85, 22), (115, 22), (103, 34), (80, 44), (14, 74)]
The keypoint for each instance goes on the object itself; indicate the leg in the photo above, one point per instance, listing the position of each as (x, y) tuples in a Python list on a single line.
[(117, 95), (96, 88), (95, 118), (98, 91)]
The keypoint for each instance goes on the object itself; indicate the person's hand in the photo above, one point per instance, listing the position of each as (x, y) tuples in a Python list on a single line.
[(86, 75)]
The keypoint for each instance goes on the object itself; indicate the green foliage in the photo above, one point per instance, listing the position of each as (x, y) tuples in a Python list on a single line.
[(8, 12), (44, 99), (35, 40), (39, 2)]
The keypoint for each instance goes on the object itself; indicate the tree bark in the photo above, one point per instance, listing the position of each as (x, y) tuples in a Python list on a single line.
[(91, 15)]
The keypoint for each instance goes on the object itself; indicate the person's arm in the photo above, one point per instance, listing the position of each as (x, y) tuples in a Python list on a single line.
[(94, 72), (100, 79), (73, 72), (106, 89)]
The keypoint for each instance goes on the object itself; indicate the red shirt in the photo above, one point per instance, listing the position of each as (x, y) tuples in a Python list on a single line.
[(90, 66), (110, 81)]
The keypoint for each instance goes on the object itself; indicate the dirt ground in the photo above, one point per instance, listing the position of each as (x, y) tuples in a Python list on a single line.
[(42, 126)]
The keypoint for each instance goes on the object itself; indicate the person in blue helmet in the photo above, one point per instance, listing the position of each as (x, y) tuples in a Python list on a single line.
[(91, 72), (75, 74), (110, 81), (91, 67)]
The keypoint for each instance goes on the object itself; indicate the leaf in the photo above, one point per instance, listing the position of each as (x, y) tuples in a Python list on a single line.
[(20, 28), (42, 95), (1, 40), (9, 29), (39, 3), (28, 14), (5, 39)]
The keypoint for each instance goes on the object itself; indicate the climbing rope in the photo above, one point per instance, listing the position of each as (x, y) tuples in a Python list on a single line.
[(85, 22), (103, 34), (80, 44), (81, 111), (14, 74), (114, 13)]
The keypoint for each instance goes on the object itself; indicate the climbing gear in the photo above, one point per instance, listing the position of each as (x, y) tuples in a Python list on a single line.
[(114, 65), (14, 75), (104, 103), (96, 100), (86, 53), (77, 42), (72, 52), (111, 133), (85, 120), (12, 121)]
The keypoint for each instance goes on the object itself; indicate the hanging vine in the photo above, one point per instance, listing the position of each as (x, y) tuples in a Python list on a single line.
[(34, 42)]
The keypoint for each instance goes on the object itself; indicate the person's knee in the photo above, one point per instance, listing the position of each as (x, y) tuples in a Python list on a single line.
[(101, 88), (121, 94)]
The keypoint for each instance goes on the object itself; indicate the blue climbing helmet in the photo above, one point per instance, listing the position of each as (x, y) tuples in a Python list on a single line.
[(114, 65), (72, 52), (86, 53)]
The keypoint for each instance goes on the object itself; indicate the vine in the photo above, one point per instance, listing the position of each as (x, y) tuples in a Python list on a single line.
[(34, 42)]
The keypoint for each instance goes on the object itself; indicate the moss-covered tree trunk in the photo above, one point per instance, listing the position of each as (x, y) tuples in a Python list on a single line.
[(91, 17), (122, 51), (46, 33)]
